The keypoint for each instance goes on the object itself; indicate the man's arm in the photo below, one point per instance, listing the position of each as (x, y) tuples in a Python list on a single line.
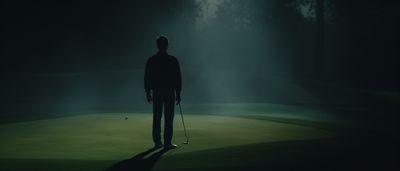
[(147, 82), (178, 86)]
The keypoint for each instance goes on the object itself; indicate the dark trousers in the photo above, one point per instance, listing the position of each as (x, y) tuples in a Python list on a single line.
[(163, 99)]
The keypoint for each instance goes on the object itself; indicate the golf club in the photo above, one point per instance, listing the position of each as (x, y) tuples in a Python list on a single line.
[(184, 126)]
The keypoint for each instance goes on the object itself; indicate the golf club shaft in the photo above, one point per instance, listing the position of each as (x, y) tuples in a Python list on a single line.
[(183, 122)]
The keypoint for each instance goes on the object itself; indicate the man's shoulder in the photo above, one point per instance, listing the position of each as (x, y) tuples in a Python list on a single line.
[(152, 58), (172, 57), (157, 57)]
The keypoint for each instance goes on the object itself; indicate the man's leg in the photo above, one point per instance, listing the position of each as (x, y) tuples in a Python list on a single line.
[(169, 105), (157, 113)]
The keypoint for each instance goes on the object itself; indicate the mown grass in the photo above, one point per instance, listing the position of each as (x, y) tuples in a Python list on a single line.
[(98, 141)]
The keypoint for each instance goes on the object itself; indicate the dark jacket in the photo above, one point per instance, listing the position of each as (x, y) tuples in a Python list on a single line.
[(162, 73)]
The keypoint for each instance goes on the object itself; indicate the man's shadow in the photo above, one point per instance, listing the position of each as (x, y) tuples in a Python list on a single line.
[(139, 162)]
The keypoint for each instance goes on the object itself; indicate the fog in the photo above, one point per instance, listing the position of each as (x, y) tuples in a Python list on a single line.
[(80, 57)]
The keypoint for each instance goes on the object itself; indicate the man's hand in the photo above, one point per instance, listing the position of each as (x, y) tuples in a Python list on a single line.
[(148, 96), (178, 99)]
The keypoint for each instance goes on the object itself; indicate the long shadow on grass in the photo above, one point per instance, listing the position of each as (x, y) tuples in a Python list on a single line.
[(141, 162)]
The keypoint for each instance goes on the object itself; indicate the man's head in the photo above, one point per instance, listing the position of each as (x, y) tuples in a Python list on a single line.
[(162, 43)]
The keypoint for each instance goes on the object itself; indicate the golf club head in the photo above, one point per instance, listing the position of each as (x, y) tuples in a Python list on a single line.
[(185, 142)]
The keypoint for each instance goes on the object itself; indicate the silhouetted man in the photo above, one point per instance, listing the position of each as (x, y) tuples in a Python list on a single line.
[(162, 83)]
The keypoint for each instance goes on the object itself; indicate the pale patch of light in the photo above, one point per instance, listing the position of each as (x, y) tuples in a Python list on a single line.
[(208, 10), (307, 10)]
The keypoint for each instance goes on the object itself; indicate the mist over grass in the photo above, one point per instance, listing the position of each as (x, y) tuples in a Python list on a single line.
[(39, 96)]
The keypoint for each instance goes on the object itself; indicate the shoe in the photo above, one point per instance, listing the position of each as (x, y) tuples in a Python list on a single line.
[(170, 146), (156, 146)]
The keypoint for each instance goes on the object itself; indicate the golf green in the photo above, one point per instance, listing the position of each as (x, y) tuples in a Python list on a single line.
[(109, 137)]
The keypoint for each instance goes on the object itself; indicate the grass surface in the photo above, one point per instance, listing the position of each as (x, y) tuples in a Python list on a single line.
[(97, 141), (217, 142)]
